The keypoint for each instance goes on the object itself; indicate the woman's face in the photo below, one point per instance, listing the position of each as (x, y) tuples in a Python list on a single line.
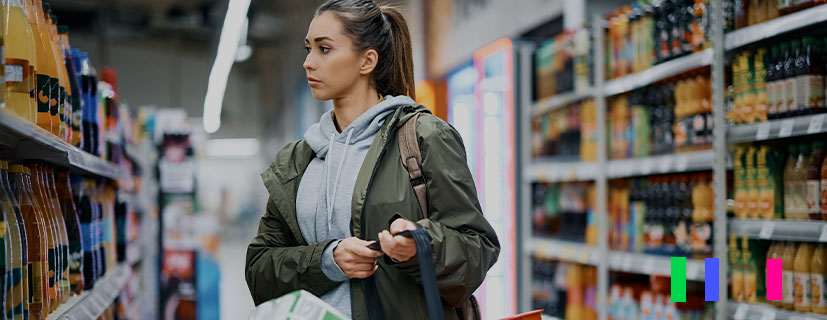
[(332, 65)]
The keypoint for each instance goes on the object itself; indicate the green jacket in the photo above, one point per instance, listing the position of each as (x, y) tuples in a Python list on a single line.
[(280, 261)]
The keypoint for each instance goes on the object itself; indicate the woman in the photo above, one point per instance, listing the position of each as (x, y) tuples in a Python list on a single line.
[(344, 187)]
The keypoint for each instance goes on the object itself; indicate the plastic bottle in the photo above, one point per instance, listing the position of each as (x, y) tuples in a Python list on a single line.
[(20, 61), (56, 103), (740, 176), (761, 109), (824, 190), (789, 183), (45, 68), (788, 263), (811, 79), (85, 213), (63, 276), (752, 188), (771, 84), (37, 287), (817, 273), (737, 286), (70, 216), (800, 192), (17, 296), (814, 181), (89, 87), (776, 252), (73, 91), (790, 71), (764, 184), (43, 210), (802, 284)]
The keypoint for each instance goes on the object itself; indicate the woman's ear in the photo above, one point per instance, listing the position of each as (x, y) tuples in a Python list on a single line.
[(368, 61)]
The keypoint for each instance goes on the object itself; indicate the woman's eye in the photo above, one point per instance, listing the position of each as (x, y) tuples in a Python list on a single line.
[(325, 49), (306, 49)]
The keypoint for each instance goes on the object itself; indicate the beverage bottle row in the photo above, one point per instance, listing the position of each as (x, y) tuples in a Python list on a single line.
[(804, 268), (58, 238), (563, 63), (565, 211), (744, 13), (48, 83), (564, 290), (773, 183), (666, 215), (645, 33), (633, 297), (785, 80), (566, 132)]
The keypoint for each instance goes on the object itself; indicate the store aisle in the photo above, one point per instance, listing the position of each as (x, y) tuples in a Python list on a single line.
[(236, 302)]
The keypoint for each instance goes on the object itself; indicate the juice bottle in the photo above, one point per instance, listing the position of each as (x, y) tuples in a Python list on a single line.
[(85, 208), (824, 190), (814, 181), (62, 84), (811, 82), (15, 301), (817, 272), (20, 60), (789, 183), (64, 242), (740, 176), (35, 242), (752, 174), (70, 215), (775, 160), (753, 253), (801, 81), (43, 210), (45, 38), (89, 87), (737, 288), (45, 68), (803, 259), (788, 263), (771, 84), (790, 75), (760, 84), (764, 183), (776, 252), (800, 195), (73, 91)]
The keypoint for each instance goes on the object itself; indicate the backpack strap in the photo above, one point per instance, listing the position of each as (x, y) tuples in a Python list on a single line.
[(412, 161)]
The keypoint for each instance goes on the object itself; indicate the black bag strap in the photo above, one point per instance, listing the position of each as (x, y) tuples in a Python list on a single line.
[(375, 311)]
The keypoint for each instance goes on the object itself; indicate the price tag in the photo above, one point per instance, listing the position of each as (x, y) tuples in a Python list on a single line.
[(683, 163), (627, 263), (646, 166), (823, 236), (542, 174), (741, 312), (786, 128), (628, 169), (665, 164), (692, 269), (763, 131), (567, 254), (584, 257), (614, 261), (816, 122), (768, 314), (572, 172), (766, 230), (649, 266)]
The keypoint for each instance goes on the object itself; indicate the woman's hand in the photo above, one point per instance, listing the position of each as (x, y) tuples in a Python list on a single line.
[(355, 259), (399, 248)]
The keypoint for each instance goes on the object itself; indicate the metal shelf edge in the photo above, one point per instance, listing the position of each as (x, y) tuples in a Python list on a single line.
[(94, 302), (560, 100), (780, 25), (659, 72), (662, 164)]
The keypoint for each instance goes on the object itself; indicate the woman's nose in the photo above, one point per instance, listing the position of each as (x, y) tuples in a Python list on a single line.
[(308, 65)]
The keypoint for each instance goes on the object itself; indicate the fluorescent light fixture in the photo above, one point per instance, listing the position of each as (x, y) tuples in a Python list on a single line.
[(233, 148), (224, 58)]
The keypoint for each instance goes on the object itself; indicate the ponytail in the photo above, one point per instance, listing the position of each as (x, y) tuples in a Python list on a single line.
[(384, 29)]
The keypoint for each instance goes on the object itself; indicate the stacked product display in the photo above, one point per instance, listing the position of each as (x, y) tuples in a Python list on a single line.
[(640, 297)]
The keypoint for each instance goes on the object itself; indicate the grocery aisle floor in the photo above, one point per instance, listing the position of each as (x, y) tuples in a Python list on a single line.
[(236, 302)]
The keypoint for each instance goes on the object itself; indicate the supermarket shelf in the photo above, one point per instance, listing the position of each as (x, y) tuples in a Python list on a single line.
[(28, 141), (815, 231), (548, 171), (617, 260), (91, 304), (769, 29), (659, 72), (776, 129), (744, 311), (671, 163), (560, 100)]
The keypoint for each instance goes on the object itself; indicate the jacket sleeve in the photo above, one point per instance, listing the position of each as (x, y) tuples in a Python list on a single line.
[(464, 243), (277, 265)]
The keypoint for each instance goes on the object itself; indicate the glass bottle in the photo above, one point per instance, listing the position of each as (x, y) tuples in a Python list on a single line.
[(36, 243)]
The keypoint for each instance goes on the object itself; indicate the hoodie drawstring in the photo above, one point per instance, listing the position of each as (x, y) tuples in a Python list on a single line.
[(331, 200)]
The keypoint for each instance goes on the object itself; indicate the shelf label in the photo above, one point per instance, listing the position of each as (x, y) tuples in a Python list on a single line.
[(823, 236), (584, 257), (763, 131), (627, 263), (786, 128), (649, 266), (567, 254), (766, 230), (768, 314), (646, 166), (692, 270), (683, 163), (665, 164), (816, 123), (572, 172), (741, 312)]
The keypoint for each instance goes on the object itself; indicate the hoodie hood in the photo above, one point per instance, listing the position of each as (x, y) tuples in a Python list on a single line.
[(322, 134)]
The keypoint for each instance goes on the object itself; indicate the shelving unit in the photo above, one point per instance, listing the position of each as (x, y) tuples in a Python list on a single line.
[(31, 142), (91, 304), (715, 160), (746, 311)]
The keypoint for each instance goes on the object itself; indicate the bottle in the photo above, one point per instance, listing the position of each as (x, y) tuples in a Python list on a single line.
[(7, 252), (73, 91), (776, 252), (35, 243), (60, 85), (63, 239), (764, 184), (772, 9), (790, 72), (824, 190), (811, 82), (752, 188), (85, 208), (15, 301), (740, 176), (44, 209), (45, 68), (770, 80), (782, 92), (741, 13), (90, 107), (44, 22), (814, 181), (800, 192), (789, 183), (803, 259), (70, 215), (817, 272), (788, 264), (760, 84), (737, 288), (20, 61)]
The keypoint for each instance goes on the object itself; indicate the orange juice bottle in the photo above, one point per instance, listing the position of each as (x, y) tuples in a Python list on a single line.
[(62, 81), (64, 241), (737, 286), (43, 210), (45, 70), (764, 183), (62, 270), (803, 259), (65, 103), (752, 188), (740, 177), (789, 183), (20, 60), (35, 241), (787, 264), (817, 272), (14, 291), (775, 252)]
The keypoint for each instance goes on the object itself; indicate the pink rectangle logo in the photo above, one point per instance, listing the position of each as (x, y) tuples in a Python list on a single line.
[(774, 271)]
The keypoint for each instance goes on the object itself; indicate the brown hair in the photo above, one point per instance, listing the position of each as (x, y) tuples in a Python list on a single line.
[(384, 29)]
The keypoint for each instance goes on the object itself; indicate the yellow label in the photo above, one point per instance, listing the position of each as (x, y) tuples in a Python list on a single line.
[(37, 281)]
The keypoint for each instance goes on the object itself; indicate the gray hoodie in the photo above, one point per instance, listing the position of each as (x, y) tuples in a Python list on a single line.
[(326, 189)]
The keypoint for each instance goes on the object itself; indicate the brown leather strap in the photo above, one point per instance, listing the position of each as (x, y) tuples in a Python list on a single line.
[(412, 161)]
